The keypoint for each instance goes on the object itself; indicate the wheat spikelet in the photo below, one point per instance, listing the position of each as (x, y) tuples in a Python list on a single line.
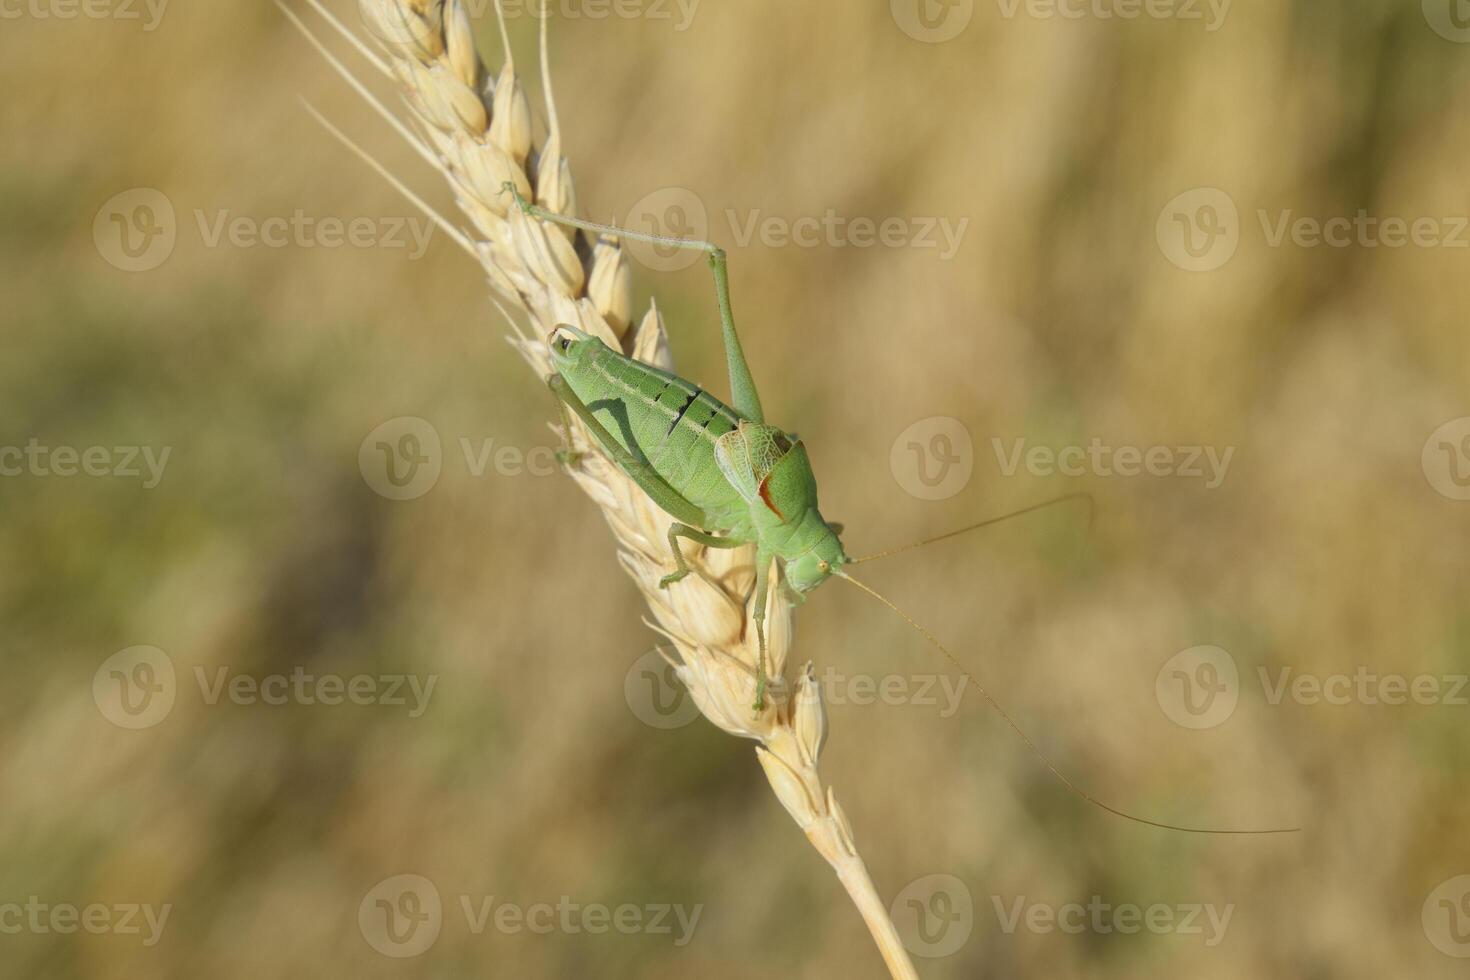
[(476, 127)]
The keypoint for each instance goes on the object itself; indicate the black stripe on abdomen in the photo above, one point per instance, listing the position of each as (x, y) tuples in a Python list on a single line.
[(679, 415)]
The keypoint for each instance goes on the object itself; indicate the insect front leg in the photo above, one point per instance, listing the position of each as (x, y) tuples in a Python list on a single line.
[(677, 531), (762, 587), (567, 456)]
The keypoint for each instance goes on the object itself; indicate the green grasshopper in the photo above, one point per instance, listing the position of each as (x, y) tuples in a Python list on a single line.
[(726, 476)]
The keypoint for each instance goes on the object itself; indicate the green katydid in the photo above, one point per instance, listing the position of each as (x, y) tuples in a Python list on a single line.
[(726, 476)]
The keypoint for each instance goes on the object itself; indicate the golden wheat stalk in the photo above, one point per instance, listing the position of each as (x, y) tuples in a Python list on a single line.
[(476, 128)]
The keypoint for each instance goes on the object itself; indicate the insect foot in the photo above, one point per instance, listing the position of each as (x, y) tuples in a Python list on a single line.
[(509, 186), (671, 578)]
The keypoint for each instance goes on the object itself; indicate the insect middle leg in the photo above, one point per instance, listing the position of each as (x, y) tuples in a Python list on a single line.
[(677, 531)]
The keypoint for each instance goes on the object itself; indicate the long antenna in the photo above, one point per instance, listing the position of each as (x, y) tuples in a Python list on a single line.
[(979, 524), (934, 641)]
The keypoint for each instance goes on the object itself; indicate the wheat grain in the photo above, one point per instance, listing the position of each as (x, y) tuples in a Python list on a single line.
[(476, 128)]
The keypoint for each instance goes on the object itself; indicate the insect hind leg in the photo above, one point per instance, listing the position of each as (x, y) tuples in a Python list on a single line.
[(743, 394)]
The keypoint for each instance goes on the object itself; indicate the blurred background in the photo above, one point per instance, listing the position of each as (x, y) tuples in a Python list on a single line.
[(1206, 263)]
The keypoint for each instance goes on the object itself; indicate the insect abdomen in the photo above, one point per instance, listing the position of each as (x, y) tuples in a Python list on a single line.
[(662, 418)]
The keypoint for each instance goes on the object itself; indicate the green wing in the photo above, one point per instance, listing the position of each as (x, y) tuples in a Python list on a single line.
[(747, 454)]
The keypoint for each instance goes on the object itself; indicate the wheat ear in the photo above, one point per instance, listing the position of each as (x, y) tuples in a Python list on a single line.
[(476, 128)]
